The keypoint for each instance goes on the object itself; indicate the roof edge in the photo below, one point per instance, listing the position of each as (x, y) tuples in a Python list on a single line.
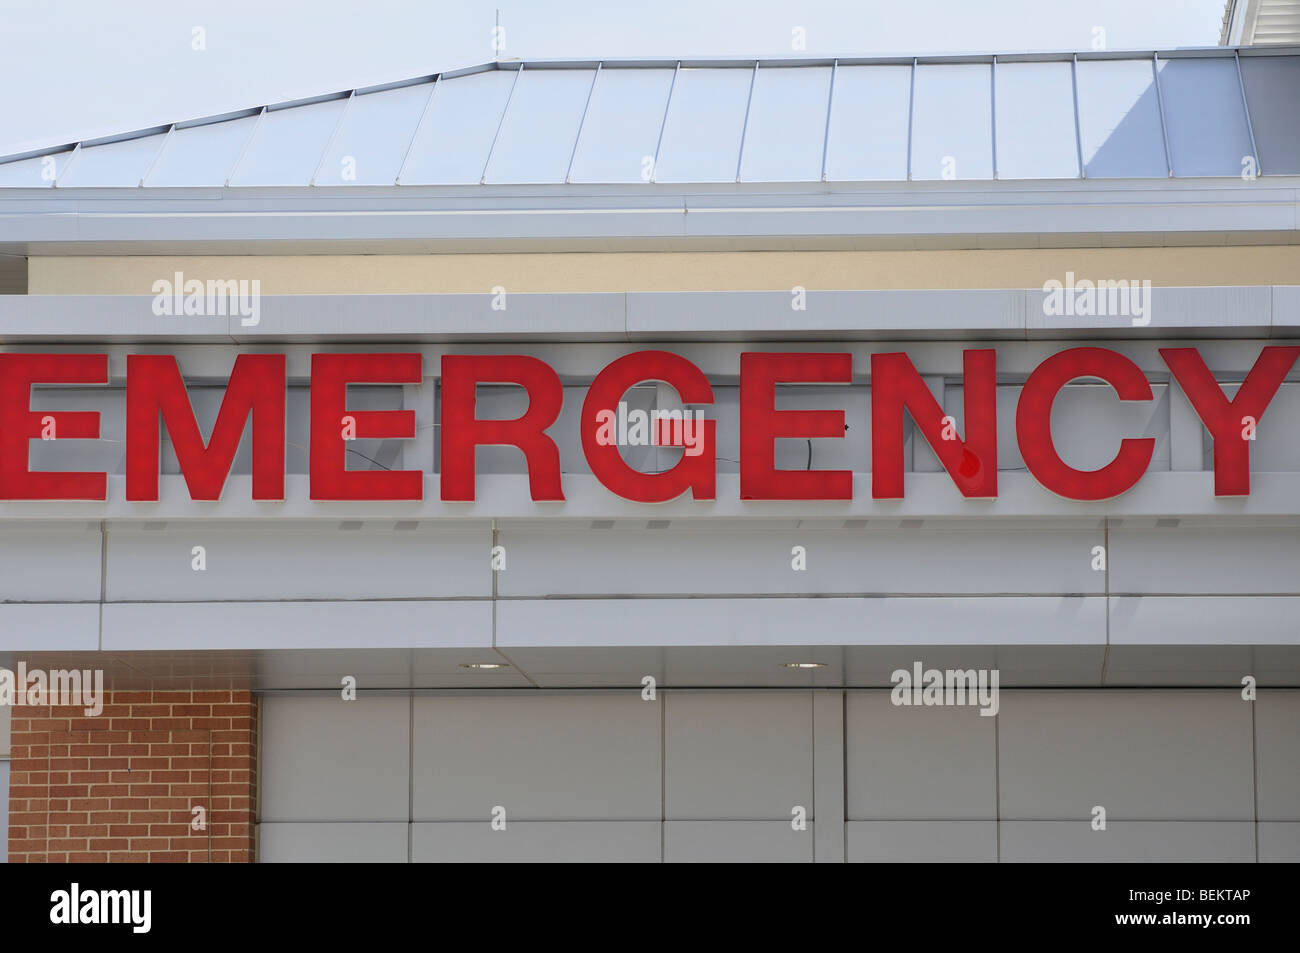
[(660, 63)]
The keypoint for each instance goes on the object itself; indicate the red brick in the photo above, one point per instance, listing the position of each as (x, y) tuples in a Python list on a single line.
[(88, 830), (120, 786), (109, 843), (133, 724), (152, 711)]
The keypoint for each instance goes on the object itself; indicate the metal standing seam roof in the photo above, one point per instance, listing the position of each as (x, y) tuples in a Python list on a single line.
[(1094, 115)]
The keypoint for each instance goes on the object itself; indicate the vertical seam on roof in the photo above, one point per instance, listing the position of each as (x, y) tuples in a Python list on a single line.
[(993, 113), (76, 151), (329, 143), (415, 133), (1245, 108), (505, 111), (911, 111), (153, 164), (591, 90), (1078, 126), (826, 133), (668, 104), (744, 127), (1160, 104), (257, 124)]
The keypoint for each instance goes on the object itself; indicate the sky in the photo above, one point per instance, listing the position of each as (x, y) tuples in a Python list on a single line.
[(79, 69)]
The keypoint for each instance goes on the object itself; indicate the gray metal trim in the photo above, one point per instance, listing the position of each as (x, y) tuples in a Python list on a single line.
[(222, 117), (123, 137), (309, 101), (400, 84)]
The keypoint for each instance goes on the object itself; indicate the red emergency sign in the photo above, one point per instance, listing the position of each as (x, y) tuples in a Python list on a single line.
[(156, 396)]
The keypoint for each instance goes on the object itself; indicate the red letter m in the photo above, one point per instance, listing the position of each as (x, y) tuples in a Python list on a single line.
[(154, 388)]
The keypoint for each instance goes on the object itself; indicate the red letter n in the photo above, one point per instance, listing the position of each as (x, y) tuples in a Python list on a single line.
[(896, 386)]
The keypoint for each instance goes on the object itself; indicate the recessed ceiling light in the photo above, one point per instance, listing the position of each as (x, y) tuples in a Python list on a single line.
[(805, 664), (483, 665)]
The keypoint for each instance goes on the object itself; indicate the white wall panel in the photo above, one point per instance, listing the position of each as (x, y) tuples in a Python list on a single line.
[(49, 562), (1141, 756), (828, 776), (537, 842), (1173, 768), (344, 843), (325, 759), (745, 842), (1277, 754), (1200, 620), (833, 621), (918, 763), (1195, 560), (49, 628), (755, 557), (299, 561), (137, 626), (922, 841), (1138, 842), (1211, 664), (737, 756), (1279, 843), (555, 757)]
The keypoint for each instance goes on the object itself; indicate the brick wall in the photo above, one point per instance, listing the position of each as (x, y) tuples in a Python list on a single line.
[(122, 786)]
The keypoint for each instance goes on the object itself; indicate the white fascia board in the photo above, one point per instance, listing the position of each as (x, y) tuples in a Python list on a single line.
[(609, 317), (560, 215)]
